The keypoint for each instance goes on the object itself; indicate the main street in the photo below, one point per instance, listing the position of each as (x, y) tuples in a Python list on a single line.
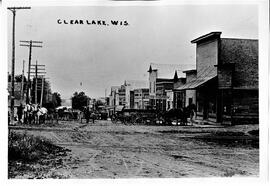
[(107, 150)]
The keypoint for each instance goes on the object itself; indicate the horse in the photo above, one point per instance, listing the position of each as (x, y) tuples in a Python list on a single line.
[(51, 116), (28, 113), (39, 114), (175, 114)]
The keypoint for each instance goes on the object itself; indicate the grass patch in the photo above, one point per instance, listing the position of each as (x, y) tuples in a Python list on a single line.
[(30, 148), (32, 156), (229, 133)]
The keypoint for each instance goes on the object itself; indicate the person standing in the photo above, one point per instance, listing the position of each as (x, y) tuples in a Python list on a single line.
[(192, 111), (20, 113), (87, 114), (93, 116)]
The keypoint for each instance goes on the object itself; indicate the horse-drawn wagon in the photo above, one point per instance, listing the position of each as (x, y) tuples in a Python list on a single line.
[(150, 117), (136, 116)]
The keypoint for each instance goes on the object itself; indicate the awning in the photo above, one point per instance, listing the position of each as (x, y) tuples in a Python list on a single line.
[(119, 107), (206, 75), (195, 84)]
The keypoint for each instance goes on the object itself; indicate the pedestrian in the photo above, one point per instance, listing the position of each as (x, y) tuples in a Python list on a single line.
[(185, 115), (87, 114), (8, 117), (20, 113), (93, 116), (192, 110)]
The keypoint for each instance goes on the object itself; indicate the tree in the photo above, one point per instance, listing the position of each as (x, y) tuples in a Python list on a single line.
[(56, 99), (47, 92), (98, 103), (79, 100), (54, 102), (18, 78)]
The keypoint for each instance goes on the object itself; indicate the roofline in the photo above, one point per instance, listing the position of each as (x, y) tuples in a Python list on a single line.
[(164, 79), (161, 82), (187, 71), (240, 39), (206, 36), (141, 89)]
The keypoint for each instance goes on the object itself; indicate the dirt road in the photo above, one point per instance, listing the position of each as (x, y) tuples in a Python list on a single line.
[(106, 150)]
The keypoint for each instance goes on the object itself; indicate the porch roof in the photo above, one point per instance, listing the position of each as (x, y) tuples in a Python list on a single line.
[(206, 75)]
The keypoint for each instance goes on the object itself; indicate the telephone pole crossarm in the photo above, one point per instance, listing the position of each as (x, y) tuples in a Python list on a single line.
[(30, 45), (13, 10)]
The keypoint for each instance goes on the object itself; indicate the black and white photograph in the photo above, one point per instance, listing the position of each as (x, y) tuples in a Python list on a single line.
[(144, 89)]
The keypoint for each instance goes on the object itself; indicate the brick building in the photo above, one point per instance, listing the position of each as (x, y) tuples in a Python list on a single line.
[(162, 78), (130, 85), (18, 99), (123, 95), (141, 98), (114, 97), (224, 85)]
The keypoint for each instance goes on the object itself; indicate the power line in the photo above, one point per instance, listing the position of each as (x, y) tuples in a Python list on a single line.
[(30, 45), (13, 10)]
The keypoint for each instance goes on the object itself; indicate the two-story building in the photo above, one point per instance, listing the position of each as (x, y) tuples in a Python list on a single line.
[(123, 95), (130, 85), (162, 78), (224, 85), (141, 98), (19, 95), (174, 99)]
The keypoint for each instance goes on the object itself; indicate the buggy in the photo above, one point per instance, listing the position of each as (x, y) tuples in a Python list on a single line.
[(137, 116)]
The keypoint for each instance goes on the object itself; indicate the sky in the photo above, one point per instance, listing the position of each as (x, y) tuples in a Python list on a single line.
[(103, 56)]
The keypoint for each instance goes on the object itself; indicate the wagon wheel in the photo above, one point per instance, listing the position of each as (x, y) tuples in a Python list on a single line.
[(114, 119), (167, 121), (123, 120), (141, 119), (133, 120), (137, 120), (127, 120)]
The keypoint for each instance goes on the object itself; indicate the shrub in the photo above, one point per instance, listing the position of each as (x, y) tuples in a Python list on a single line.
[(30, 148)]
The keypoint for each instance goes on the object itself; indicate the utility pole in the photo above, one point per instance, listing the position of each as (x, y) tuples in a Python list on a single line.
[(22, 87), (37, 71), (30, 44), (36, 84), (13, 10), (42, 89)]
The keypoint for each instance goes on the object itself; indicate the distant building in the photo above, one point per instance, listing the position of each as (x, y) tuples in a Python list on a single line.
[(122, 95), (141, 98), (224, 85), (173, 99), (19, 95), (130, 85), (114, 97), (162, 78)]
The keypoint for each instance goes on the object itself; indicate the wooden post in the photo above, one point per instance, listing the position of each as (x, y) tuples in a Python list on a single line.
[(22, 81), (36, 85), (42, 89), (29, 44), (13, 10), (12, 71)]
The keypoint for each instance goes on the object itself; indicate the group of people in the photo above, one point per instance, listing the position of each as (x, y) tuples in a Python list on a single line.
[(30, 113), (89, 115)]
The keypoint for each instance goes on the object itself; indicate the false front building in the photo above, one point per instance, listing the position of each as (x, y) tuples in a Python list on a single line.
[(224, 85), (162, 79)]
